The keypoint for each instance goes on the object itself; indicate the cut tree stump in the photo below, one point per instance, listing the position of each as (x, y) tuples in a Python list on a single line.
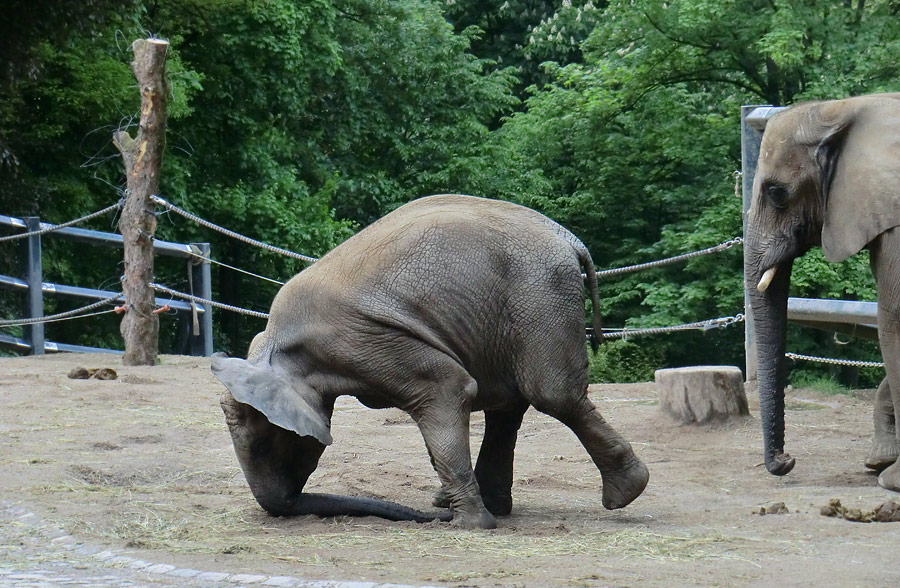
[(702, 394)]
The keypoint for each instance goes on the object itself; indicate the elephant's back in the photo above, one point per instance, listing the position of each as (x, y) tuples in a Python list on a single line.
[(480, 280), (446, 225)]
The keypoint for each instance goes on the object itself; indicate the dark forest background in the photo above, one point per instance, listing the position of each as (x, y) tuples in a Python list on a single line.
[(299, 122)]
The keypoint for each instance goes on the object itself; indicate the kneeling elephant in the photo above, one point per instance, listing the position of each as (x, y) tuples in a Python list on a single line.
[(448, 305)]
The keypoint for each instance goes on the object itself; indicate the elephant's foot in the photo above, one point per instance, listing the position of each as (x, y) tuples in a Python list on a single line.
[(890, 478), (480, 519), (884, 451), (468, 512), (441, 498), (622, 485), (497, 505)]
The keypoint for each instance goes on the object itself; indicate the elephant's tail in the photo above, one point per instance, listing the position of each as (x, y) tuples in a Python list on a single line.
[(587, 265)]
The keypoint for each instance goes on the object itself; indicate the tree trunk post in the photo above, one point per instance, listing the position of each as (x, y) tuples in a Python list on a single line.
[(143, 159)]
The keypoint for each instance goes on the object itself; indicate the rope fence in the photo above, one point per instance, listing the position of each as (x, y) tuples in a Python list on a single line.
[(626, 333), (848, 362), (232, 234), (51, 228), (198, 300), (683, 257), (63, 315), (623, 333)]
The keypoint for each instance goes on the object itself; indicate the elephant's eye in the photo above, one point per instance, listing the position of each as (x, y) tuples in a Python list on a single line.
[(777, 195)]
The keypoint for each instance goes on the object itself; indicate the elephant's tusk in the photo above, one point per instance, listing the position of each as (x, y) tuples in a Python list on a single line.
[(766, 279)]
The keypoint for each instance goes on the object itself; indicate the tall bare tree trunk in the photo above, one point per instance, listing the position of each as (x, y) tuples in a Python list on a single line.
[(143, 159)]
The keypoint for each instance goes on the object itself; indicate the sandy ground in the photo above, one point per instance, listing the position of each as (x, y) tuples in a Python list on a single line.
[(145, 463)]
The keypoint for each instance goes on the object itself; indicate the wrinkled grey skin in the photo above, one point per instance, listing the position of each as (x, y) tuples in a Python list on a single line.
[(829, 175), (447, 305)]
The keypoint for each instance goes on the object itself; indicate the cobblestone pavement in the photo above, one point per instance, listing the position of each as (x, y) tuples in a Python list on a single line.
[(36, 554)]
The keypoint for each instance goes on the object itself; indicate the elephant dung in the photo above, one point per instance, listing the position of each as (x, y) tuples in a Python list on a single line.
[(886, 512), (702, 394)]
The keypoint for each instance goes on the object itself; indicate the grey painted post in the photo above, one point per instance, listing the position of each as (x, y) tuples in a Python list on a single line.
[(202, 279), (32, 271), (750, 140)]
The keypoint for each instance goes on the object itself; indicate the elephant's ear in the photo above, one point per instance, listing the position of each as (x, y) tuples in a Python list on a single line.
[(271, 393), (861, 173)]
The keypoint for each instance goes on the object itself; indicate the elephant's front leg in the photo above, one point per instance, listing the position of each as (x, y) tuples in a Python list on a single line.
[(445, 428), (494, 468), (885, 445), (884, 254)]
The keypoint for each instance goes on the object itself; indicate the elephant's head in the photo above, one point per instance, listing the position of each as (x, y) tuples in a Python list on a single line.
[(829, 175), (278, 436)]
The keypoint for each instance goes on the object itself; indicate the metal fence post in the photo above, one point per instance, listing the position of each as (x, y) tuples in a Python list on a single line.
[(32, 273), (201, 276), (750, 141)]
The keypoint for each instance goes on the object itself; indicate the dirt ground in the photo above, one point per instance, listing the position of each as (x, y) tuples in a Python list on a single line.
[(145, 463)]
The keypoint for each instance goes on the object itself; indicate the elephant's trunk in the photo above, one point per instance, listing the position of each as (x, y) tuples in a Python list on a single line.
[(770, 321), (332, 505)]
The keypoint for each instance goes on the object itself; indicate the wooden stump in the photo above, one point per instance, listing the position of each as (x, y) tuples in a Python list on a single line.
[(702, 394)]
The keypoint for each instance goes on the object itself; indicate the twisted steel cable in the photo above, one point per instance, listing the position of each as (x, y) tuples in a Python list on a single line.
[(230, 233), (61, 315), (700, 325), (849, 362), (651, 264), (52, 228), (213, 303)]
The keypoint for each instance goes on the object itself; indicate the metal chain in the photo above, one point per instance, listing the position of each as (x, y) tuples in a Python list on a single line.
[(60, 316), (232, 234), (701, 325), (650, 264), (213, 303), (849, 362), (52, 228)]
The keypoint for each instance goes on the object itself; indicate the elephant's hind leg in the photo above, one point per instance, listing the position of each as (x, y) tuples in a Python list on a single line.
[(494, 468), (624, 475), (885, 447)]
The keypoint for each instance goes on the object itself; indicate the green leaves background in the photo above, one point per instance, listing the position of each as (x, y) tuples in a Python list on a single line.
[(298, 122)]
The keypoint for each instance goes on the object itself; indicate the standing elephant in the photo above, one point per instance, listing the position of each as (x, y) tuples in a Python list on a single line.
[(829, 175), (447, 305)]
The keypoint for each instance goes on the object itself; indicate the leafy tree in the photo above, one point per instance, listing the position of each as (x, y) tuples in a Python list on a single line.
[(289, 122), (635, 147), (524, 33)]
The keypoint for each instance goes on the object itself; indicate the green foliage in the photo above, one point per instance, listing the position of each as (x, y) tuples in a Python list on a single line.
[(815, 381), (289, 122), (524, 33), (624, 361), (635, 146), (298, 122)]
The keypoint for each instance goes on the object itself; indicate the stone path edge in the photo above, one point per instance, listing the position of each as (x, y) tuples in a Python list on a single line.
[(115, 558)]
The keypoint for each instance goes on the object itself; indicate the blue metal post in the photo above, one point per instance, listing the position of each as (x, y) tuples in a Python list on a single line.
[(750, 141), (32, 271), (202, 343)]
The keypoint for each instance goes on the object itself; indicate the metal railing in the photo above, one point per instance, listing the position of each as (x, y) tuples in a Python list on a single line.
[(196, 318)]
